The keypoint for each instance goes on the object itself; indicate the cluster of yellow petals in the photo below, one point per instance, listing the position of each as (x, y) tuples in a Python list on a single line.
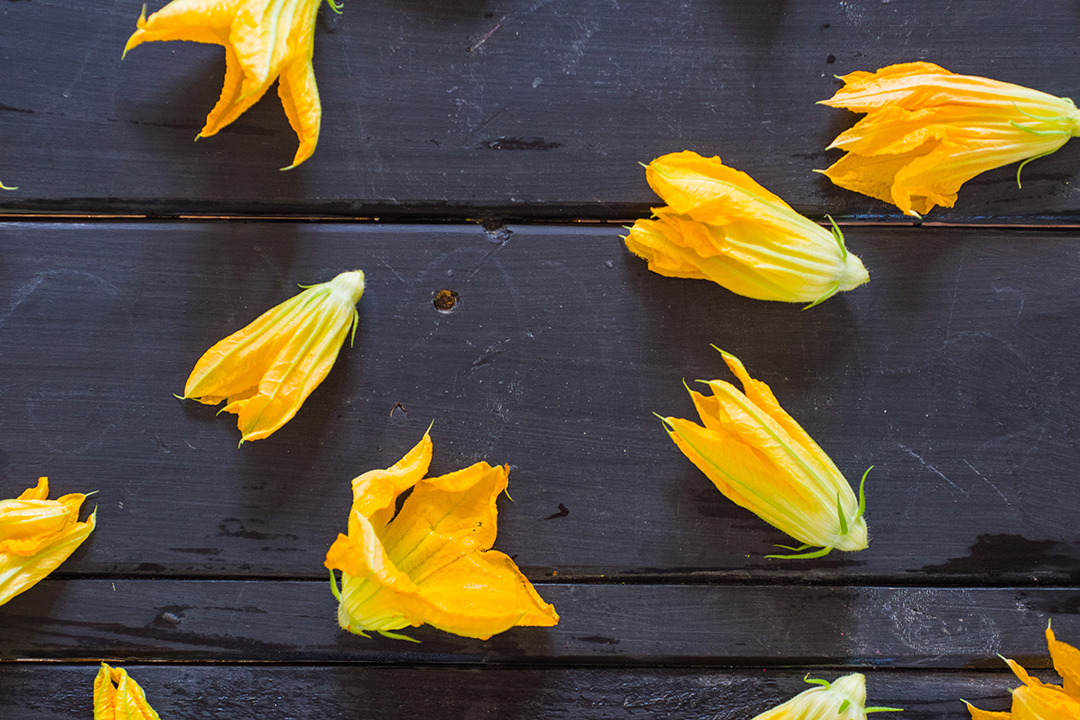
[(761, 459), (264, 40), (1036, 700), (118, 697), (432, 562), (842, 699), (721, 225), (927, 131), (266, 370), (36, 535)]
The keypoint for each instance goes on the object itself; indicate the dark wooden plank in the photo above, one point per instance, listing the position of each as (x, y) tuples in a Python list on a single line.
[(951, 372), (200, 692), (746, 626), (508, 108)]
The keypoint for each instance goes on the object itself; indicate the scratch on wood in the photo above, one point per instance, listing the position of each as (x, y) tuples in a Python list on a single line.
[(1000, 494), (925, 464)]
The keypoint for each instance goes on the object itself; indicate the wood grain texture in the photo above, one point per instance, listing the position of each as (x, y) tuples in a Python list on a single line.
[(952, 373), (201, 692), (744, 626), (503, 108)]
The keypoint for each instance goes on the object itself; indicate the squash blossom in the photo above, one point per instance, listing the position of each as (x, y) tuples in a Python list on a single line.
[(264, 40), (432, 563), (842, 699), (720, 225), (927, 131), (266, 370), (761, 459), (118, 697), (1035, 700), (36, 535)]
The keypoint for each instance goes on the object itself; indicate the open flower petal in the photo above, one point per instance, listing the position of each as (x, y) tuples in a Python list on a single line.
[(721, 225), (433, 562), (761, 459), (266, 370), (36, 535), (265, 40), (118, 697), (928, 131), (1037, 700)]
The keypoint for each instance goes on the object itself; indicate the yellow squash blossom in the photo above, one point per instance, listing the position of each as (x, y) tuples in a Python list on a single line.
[(720, 225), (266, 370), (927, 131), (118, 697), (761, 459), (265, 40), (432, 563), (1035, 700), (36, 535), (842, 699)]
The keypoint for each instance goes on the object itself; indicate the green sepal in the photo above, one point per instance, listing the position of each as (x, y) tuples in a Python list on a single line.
[(396, 636), (835, 289), (883, 709), (334, 586), (805, 556)]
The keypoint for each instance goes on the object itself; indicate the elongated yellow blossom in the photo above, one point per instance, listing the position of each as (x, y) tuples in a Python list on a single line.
[(36, 535), (266, 370), (264, 40), (927, 131), (118, 697), (842, 699), (761, 459), (722, 226), (1036, 700), (432, 563)]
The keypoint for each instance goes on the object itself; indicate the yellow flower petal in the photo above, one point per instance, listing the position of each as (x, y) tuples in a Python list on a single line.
[(761, 459), (118, 697), (36, 535), (1043, 702), (432, 563), (267, 369), (1066, 662), (977, 714), (265, 40), (928, 131), (722, 226)]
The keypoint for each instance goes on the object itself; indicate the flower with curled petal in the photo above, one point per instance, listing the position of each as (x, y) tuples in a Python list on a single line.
[(842, 699), (264, 40), (927, 131), (432, 562), (1036, 700), (721, 225), (36, 535), (266, 370), (761, 459), (118, 697)]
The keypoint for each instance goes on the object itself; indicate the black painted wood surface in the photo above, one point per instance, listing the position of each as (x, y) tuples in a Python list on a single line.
[(201, 692), (504, 108), (953, 372)]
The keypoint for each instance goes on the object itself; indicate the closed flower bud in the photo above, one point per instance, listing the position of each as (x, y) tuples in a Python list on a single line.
[(842, 699), (266, 370), (118, 697), (761, 459), (36, 535), (720, 225)]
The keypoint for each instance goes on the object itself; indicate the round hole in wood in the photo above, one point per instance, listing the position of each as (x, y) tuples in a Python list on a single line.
[(444, 301)]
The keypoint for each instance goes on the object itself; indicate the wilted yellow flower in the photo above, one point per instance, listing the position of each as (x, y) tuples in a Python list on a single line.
[(842, 699), (266, 370), (722, 226), (36, 535), (1035, 700), (761, 459), (265, 40), (928, 131), (432, 563), (118, 697)]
